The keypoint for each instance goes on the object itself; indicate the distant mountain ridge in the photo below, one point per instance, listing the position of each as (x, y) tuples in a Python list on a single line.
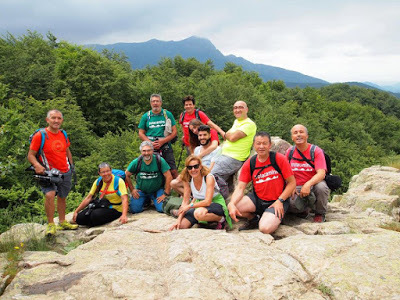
[(149, 53)]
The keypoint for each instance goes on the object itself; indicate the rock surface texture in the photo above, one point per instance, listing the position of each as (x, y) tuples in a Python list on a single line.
[(348, 257)]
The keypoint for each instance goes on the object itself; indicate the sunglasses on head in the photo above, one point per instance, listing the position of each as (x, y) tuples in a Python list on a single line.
[(193, 167)]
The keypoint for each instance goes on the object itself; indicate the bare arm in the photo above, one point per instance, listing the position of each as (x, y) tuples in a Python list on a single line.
[(39, 169), (69, 156), (318, 177), (210, 184), (85, 202), (213, 146), (234, 136), (215, 126), (142, 135), (125, 203), (237, 195), (167, 186)]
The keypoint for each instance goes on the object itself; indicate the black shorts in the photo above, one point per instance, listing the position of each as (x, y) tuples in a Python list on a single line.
[(168, 154), (214, 208), (264, 206)]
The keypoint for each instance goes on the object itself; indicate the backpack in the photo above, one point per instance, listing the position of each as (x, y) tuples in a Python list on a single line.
[(166, 118), (117, 174), (272, 157), (222, 186), (44, 136), (333, 181), (196, 113)]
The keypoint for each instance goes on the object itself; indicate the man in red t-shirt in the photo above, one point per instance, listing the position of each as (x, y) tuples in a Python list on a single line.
[(189, 114), (54, 155), (266, 205), (309, 177)]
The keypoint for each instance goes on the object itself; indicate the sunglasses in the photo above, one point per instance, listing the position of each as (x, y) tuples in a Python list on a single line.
[(193, 167)]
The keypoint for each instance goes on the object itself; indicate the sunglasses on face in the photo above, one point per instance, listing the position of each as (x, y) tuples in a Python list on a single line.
[(193, 167)]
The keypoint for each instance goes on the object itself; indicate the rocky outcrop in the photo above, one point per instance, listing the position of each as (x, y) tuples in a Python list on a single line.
[(348, 257), (376, 187), (351, 256)]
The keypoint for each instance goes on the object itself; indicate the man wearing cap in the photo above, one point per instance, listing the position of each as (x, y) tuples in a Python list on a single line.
[(309, 168)]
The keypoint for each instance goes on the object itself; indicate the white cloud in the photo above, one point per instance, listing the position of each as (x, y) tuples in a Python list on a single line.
[(333, 40)]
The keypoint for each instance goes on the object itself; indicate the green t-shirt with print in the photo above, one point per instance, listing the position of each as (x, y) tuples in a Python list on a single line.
[(149, 179), (154, 124)]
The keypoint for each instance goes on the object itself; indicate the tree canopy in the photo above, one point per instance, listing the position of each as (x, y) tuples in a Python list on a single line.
[(102, 99)]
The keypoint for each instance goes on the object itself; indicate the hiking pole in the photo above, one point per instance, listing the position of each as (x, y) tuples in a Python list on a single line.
[(180, 156)]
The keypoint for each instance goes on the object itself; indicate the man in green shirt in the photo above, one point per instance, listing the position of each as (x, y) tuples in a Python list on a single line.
[(159, 127), (153, 179)]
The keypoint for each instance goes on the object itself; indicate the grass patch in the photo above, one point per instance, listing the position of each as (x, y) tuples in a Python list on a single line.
[(395, 226), (325, 290), (71, 246)]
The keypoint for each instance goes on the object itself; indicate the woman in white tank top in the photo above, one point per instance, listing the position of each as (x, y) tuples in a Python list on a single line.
[(207, 204)]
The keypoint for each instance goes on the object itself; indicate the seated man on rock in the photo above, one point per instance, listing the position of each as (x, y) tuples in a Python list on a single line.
[(309, 168), (273, 183), (153, 179), (111, 205)]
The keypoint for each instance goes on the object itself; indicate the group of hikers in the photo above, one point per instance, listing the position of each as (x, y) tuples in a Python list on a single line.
[(294, 182)]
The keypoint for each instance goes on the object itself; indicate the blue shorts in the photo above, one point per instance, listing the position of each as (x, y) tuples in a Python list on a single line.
[(62, 188)]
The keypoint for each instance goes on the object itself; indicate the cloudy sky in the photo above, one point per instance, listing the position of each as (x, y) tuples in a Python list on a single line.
[(335, 40)]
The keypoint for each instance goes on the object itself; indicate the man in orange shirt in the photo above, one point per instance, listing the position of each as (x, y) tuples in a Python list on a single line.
[(54, 155)]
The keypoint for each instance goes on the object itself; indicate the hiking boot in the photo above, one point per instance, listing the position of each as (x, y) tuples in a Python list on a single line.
[(221, 224), (67, 226), (303, 215), (318, 218), (250, 224), (51, 229)]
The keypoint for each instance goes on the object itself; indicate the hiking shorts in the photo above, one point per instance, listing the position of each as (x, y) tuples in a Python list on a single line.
[(168, 154), (62, 188), (264, 206), (214, 208)]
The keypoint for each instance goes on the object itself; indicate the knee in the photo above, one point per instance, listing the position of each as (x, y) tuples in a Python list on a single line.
[(200, 213), (267, 228), (174, 183)]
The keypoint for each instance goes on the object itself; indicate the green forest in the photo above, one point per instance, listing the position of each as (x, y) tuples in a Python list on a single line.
[(102, 99)]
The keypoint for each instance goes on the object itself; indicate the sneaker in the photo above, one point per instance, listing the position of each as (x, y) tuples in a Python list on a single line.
[(221, 224), (51, 229), (67, 226), (318, 218), (250, 224)]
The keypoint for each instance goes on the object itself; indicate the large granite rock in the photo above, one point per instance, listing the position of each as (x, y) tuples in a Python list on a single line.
[(348, 257), (376, 187)]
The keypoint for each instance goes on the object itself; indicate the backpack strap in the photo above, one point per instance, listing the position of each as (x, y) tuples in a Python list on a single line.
[(272, 158), (196, 113), (291, 153), (182, 116), (311, 163), (139, 164)]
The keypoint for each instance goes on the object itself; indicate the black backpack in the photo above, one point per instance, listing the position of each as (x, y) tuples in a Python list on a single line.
[(196, 113), (272, 157), (333, 181)]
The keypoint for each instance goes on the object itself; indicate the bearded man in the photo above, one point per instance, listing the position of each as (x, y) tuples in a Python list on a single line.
[(153, 179)]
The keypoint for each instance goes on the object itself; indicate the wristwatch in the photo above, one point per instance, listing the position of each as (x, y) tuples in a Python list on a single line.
[(166, 194), (191, 204), (281, 200)]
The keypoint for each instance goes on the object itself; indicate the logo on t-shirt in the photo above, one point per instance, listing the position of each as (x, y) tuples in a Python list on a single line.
[(267, 176), (304, 167), (57, 146)]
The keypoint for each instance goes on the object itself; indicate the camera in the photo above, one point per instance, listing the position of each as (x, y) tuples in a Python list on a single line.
[(49, 177)]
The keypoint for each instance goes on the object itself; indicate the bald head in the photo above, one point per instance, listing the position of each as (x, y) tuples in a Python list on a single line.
[(240, 110), (299, 135)]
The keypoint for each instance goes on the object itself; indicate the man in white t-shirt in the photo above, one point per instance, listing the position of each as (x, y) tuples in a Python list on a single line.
[(207, 149)]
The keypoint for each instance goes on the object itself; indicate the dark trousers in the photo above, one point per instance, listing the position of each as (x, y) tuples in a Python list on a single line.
[(98, 216)]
